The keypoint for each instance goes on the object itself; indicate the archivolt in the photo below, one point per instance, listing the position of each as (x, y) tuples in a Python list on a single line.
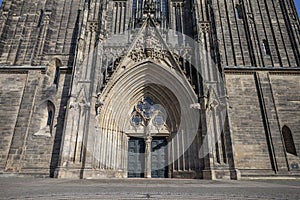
[(166, 85)]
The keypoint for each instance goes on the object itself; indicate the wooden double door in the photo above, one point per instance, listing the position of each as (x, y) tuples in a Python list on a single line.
[(136, 158)]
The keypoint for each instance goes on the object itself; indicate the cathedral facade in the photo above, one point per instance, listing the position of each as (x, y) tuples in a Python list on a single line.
[(204, 89)]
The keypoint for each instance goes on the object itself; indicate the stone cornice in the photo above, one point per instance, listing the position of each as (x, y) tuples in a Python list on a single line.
[(271, 70), (5, 69)]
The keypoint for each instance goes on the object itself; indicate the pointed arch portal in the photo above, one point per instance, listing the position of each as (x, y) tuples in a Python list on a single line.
[(117, 138), (145, 66)]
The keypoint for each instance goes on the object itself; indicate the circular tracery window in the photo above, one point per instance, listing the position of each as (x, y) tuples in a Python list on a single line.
[(146, 111)]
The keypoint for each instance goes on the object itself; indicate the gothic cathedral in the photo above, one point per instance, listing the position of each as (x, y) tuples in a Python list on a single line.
[(205, 89)]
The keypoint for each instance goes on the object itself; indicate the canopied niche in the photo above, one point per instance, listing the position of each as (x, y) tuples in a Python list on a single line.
[(45, 113)]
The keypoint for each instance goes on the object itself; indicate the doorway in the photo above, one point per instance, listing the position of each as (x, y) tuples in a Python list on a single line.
[(136, 158)]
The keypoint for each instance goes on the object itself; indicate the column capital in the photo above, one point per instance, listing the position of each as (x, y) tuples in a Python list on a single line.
[(148, 139)]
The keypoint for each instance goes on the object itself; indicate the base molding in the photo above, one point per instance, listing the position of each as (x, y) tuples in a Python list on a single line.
[(73, 173), (89, 173), (226, 174), (186, 175), (102, 174), (268, 174), (27, 172), (208, 174)]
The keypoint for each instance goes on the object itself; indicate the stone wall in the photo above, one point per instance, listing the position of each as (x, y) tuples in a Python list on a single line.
[(11, 94), (286, 87), (51, 34), (24, 147), (32, 32), (260, 104), (249, 139), (241, 38), (42, 147)]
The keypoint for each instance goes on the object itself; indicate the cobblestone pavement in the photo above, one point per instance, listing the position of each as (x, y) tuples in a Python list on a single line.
[(38, 188)]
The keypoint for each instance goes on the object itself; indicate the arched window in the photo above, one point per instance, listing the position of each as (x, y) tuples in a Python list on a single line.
[(157, 8), (53, 72), (266, 48), (288, 140), (42, 13), (239, 11), (56, 76), (50, 116), (178, 11), (50, 109)]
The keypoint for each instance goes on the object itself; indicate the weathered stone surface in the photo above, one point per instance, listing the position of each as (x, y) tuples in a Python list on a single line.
[(70, 81), (248, 132), (11, 94)]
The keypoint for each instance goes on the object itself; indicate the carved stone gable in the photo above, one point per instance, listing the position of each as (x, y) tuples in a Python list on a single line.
[(148, 44)]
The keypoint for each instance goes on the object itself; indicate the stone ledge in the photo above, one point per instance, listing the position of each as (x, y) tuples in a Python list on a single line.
[(25, 174), (186, 174), (269, 174)]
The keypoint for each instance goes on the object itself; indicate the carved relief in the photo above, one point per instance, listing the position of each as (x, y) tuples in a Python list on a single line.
[(93, 26), (204, 27), (148, 46)]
